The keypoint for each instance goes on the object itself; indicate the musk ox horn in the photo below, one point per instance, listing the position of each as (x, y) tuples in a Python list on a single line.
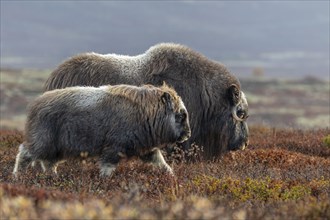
[(242, 104), (234, 113)]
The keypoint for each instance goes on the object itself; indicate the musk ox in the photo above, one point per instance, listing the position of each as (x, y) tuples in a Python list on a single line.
[(217, 107), (110, 122)]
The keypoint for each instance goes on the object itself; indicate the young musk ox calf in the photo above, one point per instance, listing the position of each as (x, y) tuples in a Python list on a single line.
[(217, 107), (109, 121)]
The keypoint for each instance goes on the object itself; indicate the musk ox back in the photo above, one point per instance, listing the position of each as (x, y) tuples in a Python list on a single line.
[(217, 107), (109, 121)]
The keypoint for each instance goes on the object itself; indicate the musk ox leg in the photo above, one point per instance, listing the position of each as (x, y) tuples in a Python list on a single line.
[(33, 164), (46, 165), (109, 161), (156, 158), (43, 165), (23, 159), (54, 165)]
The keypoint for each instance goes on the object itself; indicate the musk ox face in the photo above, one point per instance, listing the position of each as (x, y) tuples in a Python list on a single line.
[(178, 119), (239, 136), (182, 126)]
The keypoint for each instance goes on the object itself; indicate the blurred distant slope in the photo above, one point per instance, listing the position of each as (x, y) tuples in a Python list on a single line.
[(274, 103), (296, 103), (286, 38)]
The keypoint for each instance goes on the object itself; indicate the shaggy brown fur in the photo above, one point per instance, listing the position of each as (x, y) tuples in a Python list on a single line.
[(216, 105), (109, 121)]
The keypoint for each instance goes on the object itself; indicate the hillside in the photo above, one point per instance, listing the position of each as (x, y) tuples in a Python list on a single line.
[(275, 103)]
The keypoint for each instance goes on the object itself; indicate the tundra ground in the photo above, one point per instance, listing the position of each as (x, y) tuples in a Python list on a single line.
[(284, 174)]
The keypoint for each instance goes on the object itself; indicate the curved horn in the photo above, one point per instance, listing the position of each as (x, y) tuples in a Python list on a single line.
[(233, 112), (243, 102)]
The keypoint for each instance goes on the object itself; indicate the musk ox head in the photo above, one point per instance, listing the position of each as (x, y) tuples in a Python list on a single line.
[(178, 124), (237, 122)]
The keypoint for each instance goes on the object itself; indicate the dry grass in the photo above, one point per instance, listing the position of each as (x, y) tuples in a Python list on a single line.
[(284, 174)]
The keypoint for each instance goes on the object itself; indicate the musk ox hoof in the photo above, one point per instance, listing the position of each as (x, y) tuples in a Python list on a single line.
[(165, 168), (107, 170), (15, 174), (170, 171)]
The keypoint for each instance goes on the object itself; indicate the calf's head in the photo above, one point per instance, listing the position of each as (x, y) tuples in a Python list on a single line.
[(177, 123), (238, 129)]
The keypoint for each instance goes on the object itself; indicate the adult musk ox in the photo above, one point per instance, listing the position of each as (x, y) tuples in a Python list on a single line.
[(217, 107), (109, 121)]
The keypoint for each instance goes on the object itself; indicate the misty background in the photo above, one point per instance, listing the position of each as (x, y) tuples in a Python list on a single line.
[(279, 50), (284, 39)]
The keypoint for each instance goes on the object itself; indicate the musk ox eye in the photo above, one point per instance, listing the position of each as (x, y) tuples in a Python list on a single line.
[(237, 95), (180, 117)]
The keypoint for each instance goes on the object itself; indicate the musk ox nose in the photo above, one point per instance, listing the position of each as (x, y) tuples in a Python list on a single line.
[(185, 135), (188, 135)]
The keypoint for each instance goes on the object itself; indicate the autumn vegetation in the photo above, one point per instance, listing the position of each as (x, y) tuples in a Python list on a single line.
[(284, 174)]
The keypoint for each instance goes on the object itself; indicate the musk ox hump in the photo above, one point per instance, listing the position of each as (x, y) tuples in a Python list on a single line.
[(163, 56)]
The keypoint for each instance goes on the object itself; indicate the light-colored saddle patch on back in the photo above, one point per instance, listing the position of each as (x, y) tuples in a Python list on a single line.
[(89, 96)]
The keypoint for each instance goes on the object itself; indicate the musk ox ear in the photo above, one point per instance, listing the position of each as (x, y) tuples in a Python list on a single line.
[(233, 94), (167, 100), (166, 87)]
